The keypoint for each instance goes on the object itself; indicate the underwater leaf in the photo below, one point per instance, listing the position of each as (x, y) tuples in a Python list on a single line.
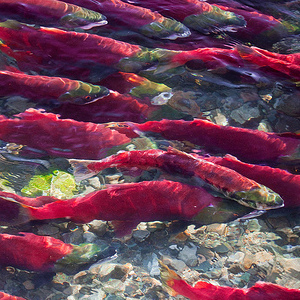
[(63, 185), (38, 186), (60, 184)]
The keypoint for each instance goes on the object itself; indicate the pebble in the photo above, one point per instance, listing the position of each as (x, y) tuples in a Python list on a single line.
[(244, 279), (17, 104), (89, 237), (113, 297), (47, 229), (221, 229), (231, 103), (245, 113), (248, 261), (220, 118), (289, 104), (278, 222), (221, 249), (153, 265), (286, 45), (209, 254), (236, 257), (174, 250), (73, 237), (249, 95), (264, 125), (83, 277), (188, 255), (99, 295), (28, 284), (235, 268), (253, 225), (140, 235), (287, 236), (114, 179), (68, 291), (113, 286), (203, 267), (98, 227), (94, 182), (176, 264)]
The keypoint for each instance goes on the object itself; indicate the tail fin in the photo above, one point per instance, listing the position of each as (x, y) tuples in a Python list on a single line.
[(168, 276), (13, 212), (81, 170)]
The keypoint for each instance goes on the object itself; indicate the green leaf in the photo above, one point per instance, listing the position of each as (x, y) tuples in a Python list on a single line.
[(59, 184)]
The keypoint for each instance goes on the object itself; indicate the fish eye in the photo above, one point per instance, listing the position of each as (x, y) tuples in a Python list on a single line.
[(88, 98)]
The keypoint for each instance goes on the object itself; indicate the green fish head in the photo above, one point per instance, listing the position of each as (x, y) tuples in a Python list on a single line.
[(84, 94), (167, 29), (84, 254), (261, 198), (83, 18), (215, 20)]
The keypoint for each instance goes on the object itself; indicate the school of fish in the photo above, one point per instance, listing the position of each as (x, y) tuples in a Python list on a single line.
[(108, 84)]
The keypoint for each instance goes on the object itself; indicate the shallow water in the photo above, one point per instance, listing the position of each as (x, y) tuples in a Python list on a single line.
[(231, 82)]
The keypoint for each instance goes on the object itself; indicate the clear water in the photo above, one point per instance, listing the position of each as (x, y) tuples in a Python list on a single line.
[(231, 84)]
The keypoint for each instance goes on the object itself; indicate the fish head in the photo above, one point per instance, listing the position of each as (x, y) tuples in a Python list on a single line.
[(262, 198), (167, 29), (214, 21), (83, 18), (83, 254), (86, 93)]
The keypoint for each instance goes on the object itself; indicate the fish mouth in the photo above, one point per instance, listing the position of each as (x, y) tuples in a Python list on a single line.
[(251, 215), (94, 24), (174, 36)]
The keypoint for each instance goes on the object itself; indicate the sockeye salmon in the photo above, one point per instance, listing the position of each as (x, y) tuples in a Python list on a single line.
[(229, 183), (43, 253), (126, 205), (198, 15), (149, 23), (261, 29), (42, 88), (287, 185), (51, 13), (247, 144), (57, 49), (207, 291), (65, 138), (5, 296)]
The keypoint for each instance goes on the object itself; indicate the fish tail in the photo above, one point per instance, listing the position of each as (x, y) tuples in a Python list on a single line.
[(81, 170), (168, 276), (13, 212)]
